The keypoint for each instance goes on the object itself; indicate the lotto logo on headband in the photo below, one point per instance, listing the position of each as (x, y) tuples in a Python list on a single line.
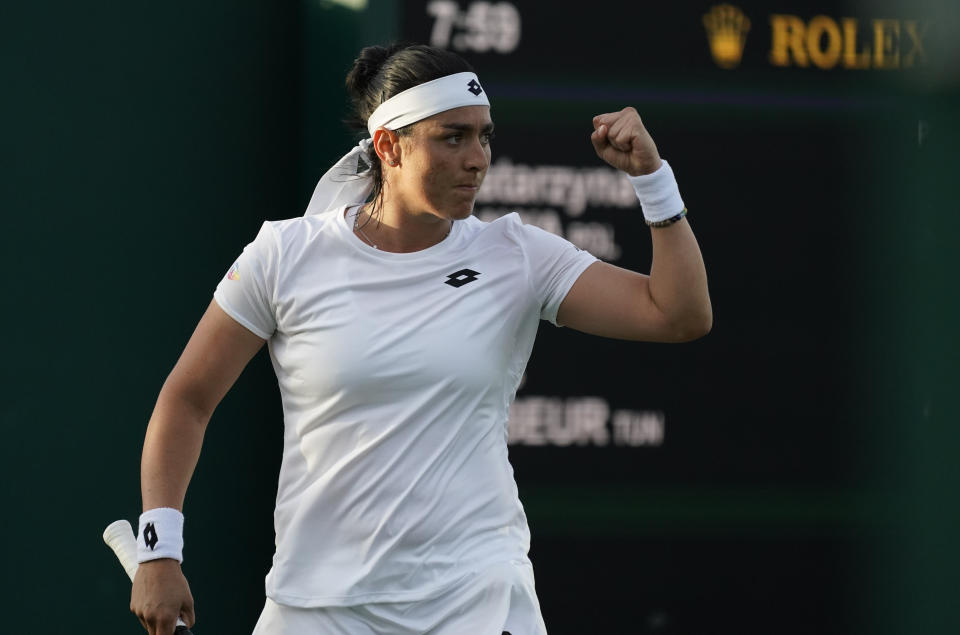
[(474, 87)]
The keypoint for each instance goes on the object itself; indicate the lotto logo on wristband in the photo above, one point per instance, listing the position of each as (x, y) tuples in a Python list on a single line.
[(161, 535), (150, 536)]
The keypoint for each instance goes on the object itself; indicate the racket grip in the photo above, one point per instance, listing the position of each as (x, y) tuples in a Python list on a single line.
[(119, 537)]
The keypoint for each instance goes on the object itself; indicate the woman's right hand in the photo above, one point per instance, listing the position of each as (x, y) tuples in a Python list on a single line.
[(160, 595)]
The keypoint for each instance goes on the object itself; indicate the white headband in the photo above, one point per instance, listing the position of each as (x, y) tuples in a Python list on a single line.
[(345, 183), (426, 100)]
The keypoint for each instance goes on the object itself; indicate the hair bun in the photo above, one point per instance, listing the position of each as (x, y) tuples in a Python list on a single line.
[(366, 67)]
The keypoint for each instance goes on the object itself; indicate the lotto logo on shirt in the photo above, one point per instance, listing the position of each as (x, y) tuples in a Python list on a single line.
[(234, 273)]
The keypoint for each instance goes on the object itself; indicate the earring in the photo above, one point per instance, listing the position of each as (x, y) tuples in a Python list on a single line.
[(393, 162)]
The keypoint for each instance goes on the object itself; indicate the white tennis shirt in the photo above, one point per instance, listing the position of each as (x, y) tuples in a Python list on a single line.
[(396, 373)]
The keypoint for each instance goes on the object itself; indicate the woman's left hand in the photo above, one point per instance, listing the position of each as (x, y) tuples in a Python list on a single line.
[(621, 140)]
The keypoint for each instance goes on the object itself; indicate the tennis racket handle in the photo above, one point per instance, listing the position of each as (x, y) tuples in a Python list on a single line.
[(119, 537)]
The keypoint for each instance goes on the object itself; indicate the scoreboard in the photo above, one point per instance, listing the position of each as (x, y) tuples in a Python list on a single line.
[(735, 466), (768, 116)]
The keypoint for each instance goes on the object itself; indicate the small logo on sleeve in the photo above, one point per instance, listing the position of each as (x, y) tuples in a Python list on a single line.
[(234, 273), (462, 277), (150, 536)]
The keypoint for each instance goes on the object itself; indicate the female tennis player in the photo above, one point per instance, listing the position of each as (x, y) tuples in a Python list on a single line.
[(399, 327)]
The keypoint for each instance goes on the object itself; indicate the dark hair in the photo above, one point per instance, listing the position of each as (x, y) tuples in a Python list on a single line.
[(379, 73)]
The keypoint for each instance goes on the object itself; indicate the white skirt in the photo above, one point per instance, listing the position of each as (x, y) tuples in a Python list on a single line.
[(498, 600)]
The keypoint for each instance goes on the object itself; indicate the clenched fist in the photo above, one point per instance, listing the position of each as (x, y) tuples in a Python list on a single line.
[(621, 140)]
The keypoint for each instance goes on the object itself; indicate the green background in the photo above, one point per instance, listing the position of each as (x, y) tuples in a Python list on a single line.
[(142, 146)]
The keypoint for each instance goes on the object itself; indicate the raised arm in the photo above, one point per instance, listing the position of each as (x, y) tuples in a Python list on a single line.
[(672, 304), (214, 357)]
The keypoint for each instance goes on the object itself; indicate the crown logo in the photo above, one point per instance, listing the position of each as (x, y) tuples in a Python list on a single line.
[(727, 28)]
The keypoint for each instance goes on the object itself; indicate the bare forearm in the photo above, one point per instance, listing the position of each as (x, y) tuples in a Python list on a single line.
[(170, 452), (678, 280)]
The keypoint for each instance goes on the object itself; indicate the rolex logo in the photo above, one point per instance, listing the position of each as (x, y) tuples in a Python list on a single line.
[(727, 28)]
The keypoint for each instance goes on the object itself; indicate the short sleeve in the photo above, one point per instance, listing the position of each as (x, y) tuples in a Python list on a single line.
[(555, 264), (246, 291)]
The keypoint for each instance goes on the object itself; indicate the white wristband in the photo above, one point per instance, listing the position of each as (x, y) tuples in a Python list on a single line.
[(161, 535), (658, 193)]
